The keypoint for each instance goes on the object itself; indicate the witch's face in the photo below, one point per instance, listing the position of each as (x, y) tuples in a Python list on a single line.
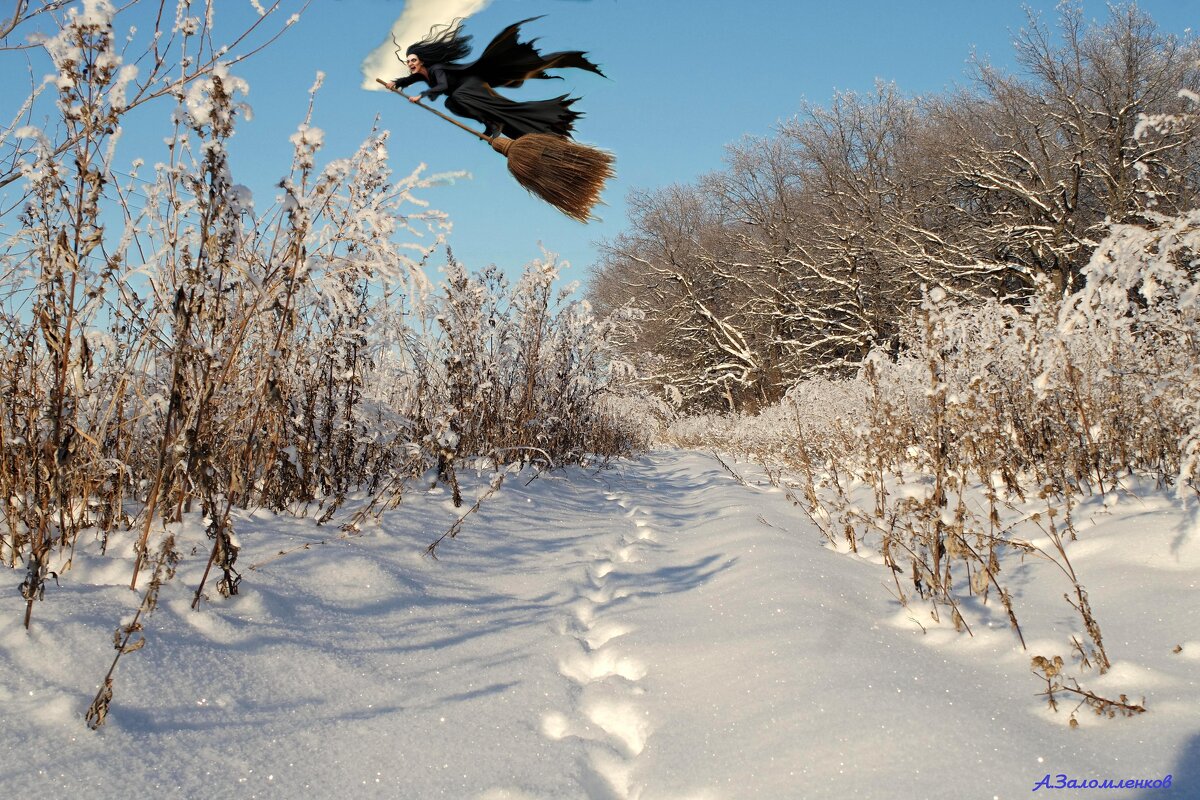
[(413, 62)]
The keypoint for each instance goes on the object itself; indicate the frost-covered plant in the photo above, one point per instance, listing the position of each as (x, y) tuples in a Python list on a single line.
[(53, 474), (1051, 671), (1140, 310), (155, 356), (518, 372), (202, 351), (211, 353), (994, 414)]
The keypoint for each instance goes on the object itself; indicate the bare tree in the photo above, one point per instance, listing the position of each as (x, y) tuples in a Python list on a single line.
[(810, 247), (862, 201), (1047, 161), (676, 266)]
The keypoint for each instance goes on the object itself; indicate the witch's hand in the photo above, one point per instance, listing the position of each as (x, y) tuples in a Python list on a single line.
[(416, 98)]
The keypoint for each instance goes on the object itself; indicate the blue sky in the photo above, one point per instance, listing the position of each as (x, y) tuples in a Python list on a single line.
[(686, 78)]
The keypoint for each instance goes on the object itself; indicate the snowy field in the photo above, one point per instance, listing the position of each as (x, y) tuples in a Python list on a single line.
[(653, 630)]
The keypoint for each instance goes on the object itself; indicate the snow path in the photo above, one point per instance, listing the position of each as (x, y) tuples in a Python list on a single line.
[(606, 711), (651, 631)]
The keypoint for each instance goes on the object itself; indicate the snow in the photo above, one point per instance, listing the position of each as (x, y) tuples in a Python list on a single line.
[(651, 630), (95, 12)]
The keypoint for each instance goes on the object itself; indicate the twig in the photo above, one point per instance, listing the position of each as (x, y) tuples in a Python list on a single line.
[(736, 477), (453, 530)]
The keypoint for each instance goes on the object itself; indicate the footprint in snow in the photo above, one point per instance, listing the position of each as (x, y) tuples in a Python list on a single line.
[(588, 667), (585, 613), (604, 595), (622, 721), (625, 555), (601, 633), (607, 776)]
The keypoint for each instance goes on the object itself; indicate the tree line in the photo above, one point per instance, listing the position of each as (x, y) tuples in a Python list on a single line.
[(809, 248)]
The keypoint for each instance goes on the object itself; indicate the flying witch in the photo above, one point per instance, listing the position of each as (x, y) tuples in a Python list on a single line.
[(505, 63), (535, 135)]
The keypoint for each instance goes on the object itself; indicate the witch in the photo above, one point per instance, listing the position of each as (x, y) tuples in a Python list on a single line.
[(505, 63)]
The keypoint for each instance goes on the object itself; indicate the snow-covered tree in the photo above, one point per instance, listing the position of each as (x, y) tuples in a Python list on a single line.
[(808, 249)]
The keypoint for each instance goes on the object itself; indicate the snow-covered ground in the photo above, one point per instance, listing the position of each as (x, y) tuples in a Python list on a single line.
[(653, 630)]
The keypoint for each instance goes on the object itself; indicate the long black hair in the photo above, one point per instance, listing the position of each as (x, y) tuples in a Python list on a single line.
[(444, 44)]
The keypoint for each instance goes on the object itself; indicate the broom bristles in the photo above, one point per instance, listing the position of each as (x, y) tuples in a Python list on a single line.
[(563, 172)]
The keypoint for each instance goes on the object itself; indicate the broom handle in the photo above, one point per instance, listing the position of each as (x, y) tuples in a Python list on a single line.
[(433, 110)]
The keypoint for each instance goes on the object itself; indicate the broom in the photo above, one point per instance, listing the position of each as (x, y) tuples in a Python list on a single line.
[(564, 173)]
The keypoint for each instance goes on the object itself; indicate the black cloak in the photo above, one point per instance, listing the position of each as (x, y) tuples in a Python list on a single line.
[(505, 62)]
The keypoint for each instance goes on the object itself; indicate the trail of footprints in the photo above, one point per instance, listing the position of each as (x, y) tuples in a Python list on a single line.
[(607, 714)]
